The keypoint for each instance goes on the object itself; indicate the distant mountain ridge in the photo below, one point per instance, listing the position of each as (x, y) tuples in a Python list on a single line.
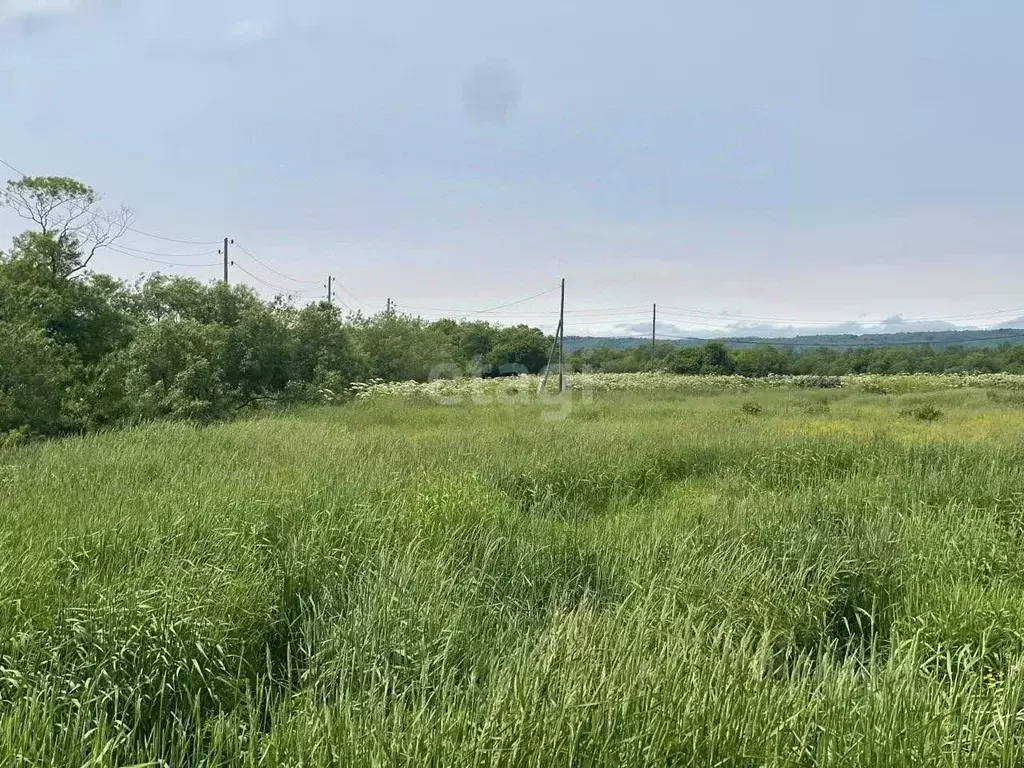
[(935, 339)]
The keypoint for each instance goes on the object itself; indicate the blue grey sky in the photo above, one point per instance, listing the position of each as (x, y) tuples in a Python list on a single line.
[(808, 161)]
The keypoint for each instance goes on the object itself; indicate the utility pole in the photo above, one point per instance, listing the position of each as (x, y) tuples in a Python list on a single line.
[(557, 343), (389, 306), (561, 342), (654, 332), (225, 261), (330, 296)]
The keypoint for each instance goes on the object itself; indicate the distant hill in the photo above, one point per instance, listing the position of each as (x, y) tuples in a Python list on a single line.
[(934, 339)]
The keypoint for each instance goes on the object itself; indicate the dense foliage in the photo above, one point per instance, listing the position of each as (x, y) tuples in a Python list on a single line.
[(717, 358), (80, 349), (977, 338)]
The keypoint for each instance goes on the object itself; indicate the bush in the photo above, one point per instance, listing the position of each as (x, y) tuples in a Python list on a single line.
[(177, 370), (875, 388), (923, 412), (34, 377), (752, 408), (686, 361), (819, 382), (717, 360)]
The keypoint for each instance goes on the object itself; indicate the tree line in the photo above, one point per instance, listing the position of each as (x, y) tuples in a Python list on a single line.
[(81, 350), (764, 359)]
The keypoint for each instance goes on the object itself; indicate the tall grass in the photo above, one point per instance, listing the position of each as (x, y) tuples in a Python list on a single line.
[(658, 580)]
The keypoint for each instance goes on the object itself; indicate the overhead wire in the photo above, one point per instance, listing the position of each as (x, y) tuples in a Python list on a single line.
[(612, 313), (520, 301), (118, 249), (352, 296), (20, 173), (124, 247), (269, 268), (260, 280), (127, 228), (666, 311), (674, 311), (771, 342), (169, 239), (472, 313), (976, 316), (278, 288)]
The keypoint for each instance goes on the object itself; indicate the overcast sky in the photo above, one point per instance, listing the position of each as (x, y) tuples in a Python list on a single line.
[(799, 160)]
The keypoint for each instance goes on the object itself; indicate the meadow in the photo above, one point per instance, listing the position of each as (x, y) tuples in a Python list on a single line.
[(695, 572)]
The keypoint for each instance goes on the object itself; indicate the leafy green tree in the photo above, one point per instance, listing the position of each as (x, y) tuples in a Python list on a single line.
[(172, 297), (402, 348), (33, 381), (324, 353), (687, 360), (759, 361), (1012, 358), (258, 355), (257, 352), (477, 339), (90, 312), (176, 369), (520, 347), (68, 215), (717, 360)]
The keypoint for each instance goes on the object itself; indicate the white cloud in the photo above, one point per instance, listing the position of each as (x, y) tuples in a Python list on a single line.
[(249, 31), (14, 10)]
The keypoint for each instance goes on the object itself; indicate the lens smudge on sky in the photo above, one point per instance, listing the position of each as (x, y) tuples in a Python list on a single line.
[(794, 159)]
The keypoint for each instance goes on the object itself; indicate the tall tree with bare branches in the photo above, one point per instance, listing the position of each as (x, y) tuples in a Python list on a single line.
[(70, 215)]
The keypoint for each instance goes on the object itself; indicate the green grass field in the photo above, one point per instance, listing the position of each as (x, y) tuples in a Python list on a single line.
[(768, 577)]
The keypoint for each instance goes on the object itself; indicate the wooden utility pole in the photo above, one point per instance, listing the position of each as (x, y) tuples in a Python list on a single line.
[(330, 295), (225, 261), (561, 342), (557, 343), (654, 331), (389, 306)]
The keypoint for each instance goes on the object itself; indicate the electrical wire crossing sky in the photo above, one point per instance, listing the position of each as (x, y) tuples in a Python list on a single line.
[(844, 166)]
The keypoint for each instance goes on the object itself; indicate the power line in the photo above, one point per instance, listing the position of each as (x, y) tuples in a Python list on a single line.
[(168, 255), (473, 313), (127, 228), (638, 312), (610, 310), (167, 239), (696, 313), (611, 314), (159, 261), (4, 162), (352, 296), (978, 316), (726, 316), (521, 301), (619, 313), (861, 345), (287, 291), (545, 319), (266, 266), (261, 280)]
